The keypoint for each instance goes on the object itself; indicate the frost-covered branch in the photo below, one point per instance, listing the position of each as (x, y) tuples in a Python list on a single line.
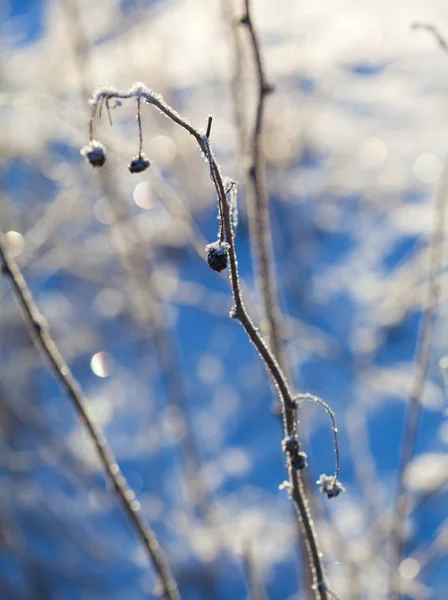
[(258, 202), (141, 94)]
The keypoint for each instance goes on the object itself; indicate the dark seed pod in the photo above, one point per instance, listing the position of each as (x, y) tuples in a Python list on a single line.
[(217, 255), (290, 444), (330, 486), (218, 262), (299, 461), (139, 164), (95, 153)]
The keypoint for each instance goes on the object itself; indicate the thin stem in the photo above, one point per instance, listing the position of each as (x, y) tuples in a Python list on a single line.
[(258, 213), (317, 400), (434, 32), (239, 312), (422, 356), (258, 204), (92, 118), (140, 134), (254, 584), (212, 174), (286, 399), (44, 342)]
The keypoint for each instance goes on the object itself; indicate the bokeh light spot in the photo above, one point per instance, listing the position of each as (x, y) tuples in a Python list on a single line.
[(142, 195), (373, 152), (409, 568), (109, 302), (428, 168), (100, 410), (103, 212), (102, 364), (209, 368), (15, 243), (163, 149)]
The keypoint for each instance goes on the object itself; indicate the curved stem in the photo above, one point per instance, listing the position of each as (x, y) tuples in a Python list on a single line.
[(317, 400)]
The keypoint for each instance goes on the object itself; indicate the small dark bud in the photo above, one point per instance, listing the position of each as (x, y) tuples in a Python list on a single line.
[(299, 461), (139, 164), (330, 486), (217, 255), (95, 153), (244, 20), (290, 444)]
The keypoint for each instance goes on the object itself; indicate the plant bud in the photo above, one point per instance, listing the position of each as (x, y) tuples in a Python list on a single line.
[(217, 255), (139, 164), (95, 153)]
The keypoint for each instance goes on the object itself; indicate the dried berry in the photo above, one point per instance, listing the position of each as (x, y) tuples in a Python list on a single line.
[(291, 446), (138, 164), (330, 485), (217, 255), (95, 153), (299, 461)]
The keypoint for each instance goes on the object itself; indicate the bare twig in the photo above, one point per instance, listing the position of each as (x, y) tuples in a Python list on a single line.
[(435, 32), (258, 205), (50, 352), (258, 213), (240, 313), (422, 356), (254, 584)]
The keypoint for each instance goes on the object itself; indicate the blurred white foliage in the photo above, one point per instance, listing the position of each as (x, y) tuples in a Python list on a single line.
[(397, 383), (427, 472)]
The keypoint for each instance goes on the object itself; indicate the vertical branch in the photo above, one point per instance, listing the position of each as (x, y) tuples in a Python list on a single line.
[(288, 407), (140, 133), (258, 205), (259, 218), (422, 356), (254, 584), (44, 342), (236, 83)]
